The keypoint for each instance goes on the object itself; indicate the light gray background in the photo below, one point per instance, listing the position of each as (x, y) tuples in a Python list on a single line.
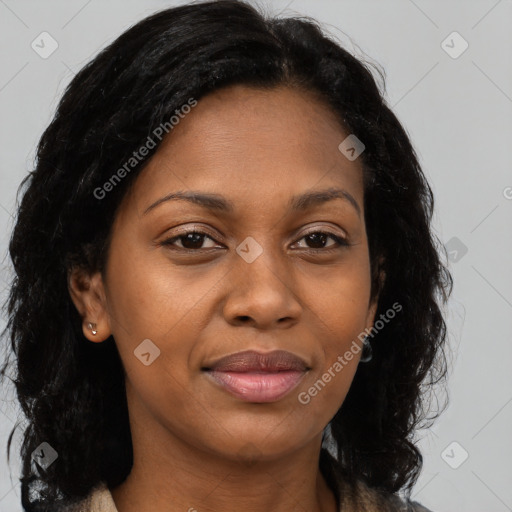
[(458, 113)]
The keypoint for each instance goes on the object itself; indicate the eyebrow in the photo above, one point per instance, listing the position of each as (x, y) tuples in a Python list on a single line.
[(297, 203)]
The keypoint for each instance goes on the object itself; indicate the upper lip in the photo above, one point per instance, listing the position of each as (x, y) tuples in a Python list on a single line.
[(253, 361)]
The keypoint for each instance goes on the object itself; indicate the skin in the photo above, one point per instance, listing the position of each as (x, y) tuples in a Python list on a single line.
[(195, 445)]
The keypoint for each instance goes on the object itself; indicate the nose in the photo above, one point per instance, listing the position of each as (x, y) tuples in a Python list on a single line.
[(262, 294)]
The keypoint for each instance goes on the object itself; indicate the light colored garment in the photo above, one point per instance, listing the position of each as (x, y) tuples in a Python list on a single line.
[(100, 500)]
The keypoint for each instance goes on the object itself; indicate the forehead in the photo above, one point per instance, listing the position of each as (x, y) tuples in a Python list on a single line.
[(252, 144)]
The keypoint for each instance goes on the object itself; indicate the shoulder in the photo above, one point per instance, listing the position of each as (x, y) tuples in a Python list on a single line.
[(357, 494), (400, 505), (376, 499), (99, 499), (417, 507)]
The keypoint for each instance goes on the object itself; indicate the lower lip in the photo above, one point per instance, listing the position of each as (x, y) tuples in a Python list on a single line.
[(258, 387)]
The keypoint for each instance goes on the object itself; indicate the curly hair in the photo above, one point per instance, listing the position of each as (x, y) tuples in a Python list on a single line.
[(72, 392)]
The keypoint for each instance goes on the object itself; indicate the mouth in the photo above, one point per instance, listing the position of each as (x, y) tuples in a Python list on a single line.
[(258, 377)]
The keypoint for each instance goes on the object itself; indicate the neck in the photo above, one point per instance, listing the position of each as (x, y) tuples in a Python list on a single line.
[(170, 475)]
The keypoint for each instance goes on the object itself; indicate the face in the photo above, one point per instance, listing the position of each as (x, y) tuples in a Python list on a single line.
[(253, 268)]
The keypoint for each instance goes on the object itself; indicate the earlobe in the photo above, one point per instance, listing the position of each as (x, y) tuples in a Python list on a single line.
[(88, 295)]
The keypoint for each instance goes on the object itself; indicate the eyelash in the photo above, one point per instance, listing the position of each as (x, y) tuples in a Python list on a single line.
[(342, 242)]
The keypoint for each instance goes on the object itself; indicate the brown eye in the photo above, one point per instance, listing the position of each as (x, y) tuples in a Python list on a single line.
[(191, 240), (317, 240)]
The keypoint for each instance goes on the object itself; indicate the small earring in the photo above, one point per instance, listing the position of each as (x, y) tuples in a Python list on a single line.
[(367, 353), (92, 328)]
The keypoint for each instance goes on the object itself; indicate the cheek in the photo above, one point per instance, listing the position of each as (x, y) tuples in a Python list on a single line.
[(149, 297), (162, 392), (156, 320), (324, 393), (340, 310), (340, 300)]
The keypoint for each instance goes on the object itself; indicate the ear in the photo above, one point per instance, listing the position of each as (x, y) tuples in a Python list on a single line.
[(372, 309), (88, 295)]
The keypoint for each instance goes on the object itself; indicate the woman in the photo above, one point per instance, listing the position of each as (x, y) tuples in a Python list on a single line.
[(227, 291)]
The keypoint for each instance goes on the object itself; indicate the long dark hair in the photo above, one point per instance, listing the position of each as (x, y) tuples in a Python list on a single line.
[(71, 391)]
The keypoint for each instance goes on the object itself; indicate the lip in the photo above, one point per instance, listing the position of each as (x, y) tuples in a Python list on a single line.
[(258, 377)]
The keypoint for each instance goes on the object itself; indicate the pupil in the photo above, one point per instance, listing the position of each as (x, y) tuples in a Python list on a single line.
[(316, 237), (196, 239)]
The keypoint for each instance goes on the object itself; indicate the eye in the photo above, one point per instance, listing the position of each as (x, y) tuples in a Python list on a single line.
[(318, 240), (194, 239), (190, 240)]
